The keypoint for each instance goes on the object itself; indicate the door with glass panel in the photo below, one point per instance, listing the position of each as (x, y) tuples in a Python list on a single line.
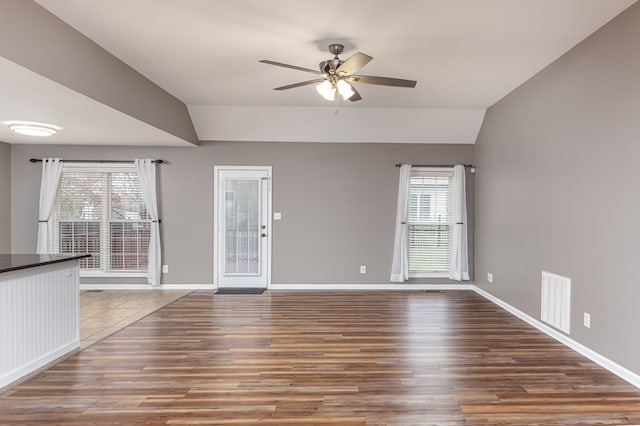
[(242, 227)]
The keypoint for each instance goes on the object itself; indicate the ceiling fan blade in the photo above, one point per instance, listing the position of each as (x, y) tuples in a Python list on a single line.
[(353, 64), (293, 67), (383, 81), (356, 96), (304, 83)]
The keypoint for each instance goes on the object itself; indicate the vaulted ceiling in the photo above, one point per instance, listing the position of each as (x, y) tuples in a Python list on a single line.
[(139, 72)]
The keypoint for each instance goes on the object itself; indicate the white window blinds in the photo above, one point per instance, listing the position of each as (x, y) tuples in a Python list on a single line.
[(429, 220), (101, 211)]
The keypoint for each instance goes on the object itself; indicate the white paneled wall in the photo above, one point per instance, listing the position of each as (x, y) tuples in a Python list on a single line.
[(39, 317)]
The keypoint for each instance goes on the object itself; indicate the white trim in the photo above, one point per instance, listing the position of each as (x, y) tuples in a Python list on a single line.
[(384, 287), (103, 274), (40, 362), (446, 171), (269, 170), (187, 287), (431, 172), (91, 167), (429, 275), (604, 362), (214, 207), (146, 287)]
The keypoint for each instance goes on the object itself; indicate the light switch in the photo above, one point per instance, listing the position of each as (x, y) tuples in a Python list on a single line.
[(277, 216)]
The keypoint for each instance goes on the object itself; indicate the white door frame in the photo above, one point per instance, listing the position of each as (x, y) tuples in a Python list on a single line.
[(216, 219)]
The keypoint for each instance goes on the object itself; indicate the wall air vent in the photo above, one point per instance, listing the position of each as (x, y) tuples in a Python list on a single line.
[(556, 301)]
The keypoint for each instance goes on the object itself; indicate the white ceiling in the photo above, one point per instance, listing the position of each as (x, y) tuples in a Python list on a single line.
[(465, 54)]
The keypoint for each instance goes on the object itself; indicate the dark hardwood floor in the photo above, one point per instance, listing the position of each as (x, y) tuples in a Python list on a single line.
[(325, 358)]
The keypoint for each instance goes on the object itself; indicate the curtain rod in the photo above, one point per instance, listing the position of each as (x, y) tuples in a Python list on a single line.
[(434, 165), (38, 160)]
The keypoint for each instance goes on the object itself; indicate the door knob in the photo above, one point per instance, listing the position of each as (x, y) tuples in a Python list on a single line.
[(263, 235)]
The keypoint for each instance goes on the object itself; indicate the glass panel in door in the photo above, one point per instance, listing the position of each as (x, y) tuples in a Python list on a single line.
[(242, 227)]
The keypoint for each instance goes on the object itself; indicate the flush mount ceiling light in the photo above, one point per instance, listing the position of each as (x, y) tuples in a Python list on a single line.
[(29, 128)]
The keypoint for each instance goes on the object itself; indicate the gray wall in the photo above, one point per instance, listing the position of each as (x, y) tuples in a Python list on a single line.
[(557, 189), (338, 203), (5, 198)]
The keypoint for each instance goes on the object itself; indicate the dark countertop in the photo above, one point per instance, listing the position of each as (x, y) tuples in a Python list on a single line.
[(14, 262)]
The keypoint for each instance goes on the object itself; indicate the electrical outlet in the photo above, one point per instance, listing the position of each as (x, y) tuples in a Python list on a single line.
[(165, 269), (489, 277), (587, 320), (363, 269)]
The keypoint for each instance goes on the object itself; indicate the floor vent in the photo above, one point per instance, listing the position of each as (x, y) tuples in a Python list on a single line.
[(556, 301)]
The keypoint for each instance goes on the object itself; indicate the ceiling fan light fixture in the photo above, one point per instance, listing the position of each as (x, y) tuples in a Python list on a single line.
[(29, 128), (327, 90), (336, 75), (345, 89)]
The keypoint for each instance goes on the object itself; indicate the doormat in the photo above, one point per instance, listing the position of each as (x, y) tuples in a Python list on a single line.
[(240, 291)]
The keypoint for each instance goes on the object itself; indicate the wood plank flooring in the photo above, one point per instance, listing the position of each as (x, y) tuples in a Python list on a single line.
[(325, 358)]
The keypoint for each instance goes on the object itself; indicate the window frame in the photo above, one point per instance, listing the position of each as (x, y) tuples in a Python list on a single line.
[(435, 170), (105, 220)]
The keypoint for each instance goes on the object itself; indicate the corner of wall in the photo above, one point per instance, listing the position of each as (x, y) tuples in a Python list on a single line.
[(5, 197)]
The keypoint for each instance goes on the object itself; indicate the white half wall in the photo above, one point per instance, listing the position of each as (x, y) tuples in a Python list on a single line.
[(348, 124), (39, 317)]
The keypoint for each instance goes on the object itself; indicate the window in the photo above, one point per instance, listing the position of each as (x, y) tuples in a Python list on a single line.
[(430, 222), (100, 210)]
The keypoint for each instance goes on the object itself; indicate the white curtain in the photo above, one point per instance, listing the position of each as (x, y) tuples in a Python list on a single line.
[(459, 264), (51, 171), (147, 174), (400, 265)]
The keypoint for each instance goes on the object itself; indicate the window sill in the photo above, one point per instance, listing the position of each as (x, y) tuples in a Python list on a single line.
[(91, 274), (429, 275)]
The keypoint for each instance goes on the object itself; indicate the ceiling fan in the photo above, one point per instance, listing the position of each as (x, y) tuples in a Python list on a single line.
[(338, 75)]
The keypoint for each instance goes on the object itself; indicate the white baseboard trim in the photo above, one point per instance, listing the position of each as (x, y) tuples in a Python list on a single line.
[(604, 362), (35, 364), (385, 287), (187, 287), (146, 287)]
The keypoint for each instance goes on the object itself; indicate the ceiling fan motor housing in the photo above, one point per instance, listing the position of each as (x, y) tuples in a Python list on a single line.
[(330, 66)]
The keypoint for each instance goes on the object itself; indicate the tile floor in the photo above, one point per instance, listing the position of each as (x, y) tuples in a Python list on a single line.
[(102, 313)]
